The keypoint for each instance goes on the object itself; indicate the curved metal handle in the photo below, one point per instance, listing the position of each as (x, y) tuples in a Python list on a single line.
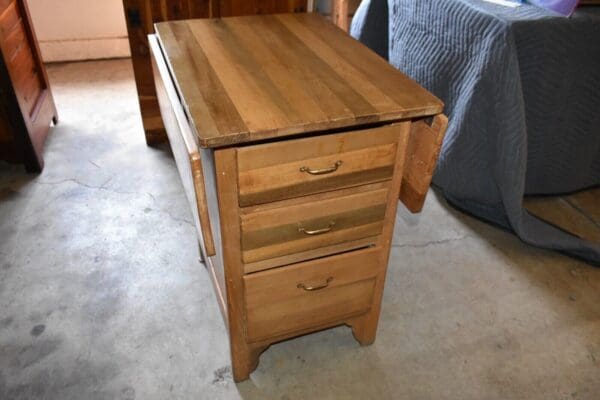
[(318, 287), (323, 170), (317, 231)]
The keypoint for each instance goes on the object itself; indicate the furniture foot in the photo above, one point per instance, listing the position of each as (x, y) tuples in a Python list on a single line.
[(364, 329), (245, 361)]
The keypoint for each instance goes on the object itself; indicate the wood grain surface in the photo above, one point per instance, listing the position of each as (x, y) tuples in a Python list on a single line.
[(282, 300), (244, 79), (275, 171), (278, 232), (424, 147)]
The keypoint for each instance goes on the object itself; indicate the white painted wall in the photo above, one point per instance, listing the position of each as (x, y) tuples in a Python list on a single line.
[(70, 30)]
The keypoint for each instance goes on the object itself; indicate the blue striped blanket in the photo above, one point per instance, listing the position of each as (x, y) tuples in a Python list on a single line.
[(522, 91)]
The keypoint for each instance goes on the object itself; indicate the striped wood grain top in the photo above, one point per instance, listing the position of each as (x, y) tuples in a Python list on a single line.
[(244, 79)]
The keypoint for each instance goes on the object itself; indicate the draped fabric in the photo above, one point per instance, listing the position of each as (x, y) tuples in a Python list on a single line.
[(522, 92)]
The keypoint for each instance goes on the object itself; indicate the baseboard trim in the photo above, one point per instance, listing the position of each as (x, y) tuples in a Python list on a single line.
[(84, 49)]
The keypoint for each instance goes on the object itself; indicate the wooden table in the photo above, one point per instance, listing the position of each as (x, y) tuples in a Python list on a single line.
[(292, 141)]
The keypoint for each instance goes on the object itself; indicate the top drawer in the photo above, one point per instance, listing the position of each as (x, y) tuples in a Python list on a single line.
[(292, 168)]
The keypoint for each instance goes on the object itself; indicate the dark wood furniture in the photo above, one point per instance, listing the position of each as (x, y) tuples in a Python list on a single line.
[(141, 15), (26, 103), (292, 141)]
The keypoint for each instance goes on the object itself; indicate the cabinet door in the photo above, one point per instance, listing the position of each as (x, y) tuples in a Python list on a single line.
[(26, 83), (251, 7)]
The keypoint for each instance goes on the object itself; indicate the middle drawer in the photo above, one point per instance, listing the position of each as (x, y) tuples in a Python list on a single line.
[(326, 223)]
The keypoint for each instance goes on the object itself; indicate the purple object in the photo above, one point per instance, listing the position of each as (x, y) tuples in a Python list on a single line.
[(564, 7)]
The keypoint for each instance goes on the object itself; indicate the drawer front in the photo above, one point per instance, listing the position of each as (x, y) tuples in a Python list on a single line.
[(311, 225), (14, 42), (4, 4), (308, 295), (9, 19), (293, 168), (25, 77)]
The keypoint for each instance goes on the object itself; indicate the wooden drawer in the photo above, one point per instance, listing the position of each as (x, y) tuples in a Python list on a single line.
[(13, 43), (280, 301), (4, 4), (23, 72), (9, 19), (293, 168), (312, 224)]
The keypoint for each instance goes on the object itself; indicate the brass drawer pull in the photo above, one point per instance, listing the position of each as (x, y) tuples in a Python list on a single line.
[(317, 231), (318, 287), (323, 170)]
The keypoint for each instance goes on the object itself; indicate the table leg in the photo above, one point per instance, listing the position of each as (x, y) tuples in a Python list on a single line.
[(340, 13)]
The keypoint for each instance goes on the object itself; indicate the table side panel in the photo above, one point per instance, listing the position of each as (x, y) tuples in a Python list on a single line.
[(185, 149), (200, 188)]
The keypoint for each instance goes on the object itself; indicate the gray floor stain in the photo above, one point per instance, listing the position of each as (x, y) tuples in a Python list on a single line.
[(20, 356), (128, 393), (222, 375), (105, 294), (6, 322), (37, 330), (86, 380)]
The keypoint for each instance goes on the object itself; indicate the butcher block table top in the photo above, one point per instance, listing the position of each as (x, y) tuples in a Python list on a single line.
[(246, 79)]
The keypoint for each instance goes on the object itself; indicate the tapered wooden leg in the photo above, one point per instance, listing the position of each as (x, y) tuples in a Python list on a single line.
[(244, 361), (364, 328)]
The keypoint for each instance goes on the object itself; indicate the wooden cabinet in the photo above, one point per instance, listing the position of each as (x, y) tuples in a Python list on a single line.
[(293, 142), (26, 103), (141, 15)]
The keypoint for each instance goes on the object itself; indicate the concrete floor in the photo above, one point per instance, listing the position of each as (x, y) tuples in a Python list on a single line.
[(102, 295)]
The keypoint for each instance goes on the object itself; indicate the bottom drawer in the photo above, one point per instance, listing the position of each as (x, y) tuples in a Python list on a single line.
[(310, 294)]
